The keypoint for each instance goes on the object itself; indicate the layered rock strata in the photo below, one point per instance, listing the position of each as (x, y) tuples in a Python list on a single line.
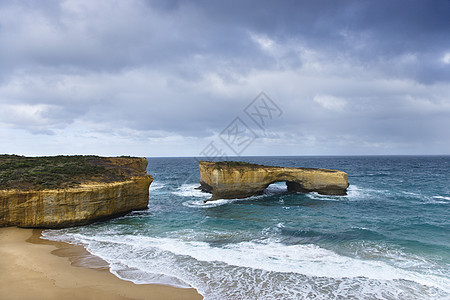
[(82, 204), (229, 180)]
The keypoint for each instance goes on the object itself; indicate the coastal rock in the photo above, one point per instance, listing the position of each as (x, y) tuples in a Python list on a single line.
[(79, 205), (229, 180)]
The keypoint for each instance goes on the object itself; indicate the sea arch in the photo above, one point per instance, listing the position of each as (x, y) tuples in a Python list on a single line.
[(228, 180)]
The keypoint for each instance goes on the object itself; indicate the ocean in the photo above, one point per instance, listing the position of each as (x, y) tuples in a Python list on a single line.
[(389, 238)]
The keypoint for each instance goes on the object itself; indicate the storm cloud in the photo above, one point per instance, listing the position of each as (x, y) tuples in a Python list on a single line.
[(165, 78)]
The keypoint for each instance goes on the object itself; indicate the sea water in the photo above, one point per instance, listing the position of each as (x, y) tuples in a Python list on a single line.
[(389, 238)]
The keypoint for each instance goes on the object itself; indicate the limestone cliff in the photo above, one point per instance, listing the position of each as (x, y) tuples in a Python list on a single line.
[(83, 203), (228, 180)]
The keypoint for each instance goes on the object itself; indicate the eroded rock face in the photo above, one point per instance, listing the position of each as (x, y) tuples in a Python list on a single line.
[(79, 205), (229, 180)]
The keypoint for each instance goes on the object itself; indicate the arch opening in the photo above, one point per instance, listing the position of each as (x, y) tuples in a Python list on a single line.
[(277, 187)]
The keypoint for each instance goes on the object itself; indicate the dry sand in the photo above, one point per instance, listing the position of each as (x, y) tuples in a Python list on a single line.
[(29, 270)]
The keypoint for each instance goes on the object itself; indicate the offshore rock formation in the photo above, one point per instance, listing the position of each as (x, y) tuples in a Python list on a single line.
[(229, 180), (82, 204)]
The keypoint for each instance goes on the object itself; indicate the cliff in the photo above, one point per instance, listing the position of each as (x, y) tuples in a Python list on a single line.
[(112, 187), (228, 180)]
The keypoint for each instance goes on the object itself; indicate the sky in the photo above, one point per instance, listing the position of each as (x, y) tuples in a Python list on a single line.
[(224, 78)]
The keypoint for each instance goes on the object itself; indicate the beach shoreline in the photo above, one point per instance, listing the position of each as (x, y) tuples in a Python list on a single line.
[(33, 268)]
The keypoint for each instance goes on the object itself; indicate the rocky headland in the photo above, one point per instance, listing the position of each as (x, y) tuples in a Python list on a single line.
[(63, 191), (230, 180)]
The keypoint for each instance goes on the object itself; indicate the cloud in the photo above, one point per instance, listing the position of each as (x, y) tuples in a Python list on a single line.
[(372, 76), (446, 58), (330, 102)]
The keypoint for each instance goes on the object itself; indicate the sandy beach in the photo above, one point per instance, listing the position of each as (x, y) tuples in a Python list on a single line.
[(32, 268)]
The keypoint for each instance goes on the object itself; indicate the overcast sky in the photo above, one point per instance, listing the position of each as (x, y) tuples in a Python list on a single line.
[(182, 78)]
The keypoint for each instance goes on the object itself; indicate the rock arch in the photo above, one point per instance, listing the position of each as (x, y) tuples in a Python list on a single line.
[(229, 180)]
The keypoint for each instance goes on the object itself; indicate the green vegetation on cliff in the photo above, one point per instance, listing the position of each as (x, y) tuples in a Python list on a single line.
[(229, 163), (241, 165), (55, 172), (235, 164)]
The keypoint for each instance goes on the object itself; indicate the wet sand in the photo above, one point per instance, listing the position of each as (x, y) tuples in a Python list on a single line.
[(32, 268)]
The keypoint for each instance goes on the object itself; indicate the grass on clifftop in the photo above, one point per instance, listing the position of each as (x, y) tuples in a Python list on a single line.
[(230, 163), (242, 165), (54, 172), (236, 164)]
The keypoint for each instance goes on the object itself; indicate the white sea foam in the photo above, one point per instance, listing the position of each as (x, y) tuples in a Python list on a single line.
[(139, 276), (309, 260), (442, 197), (424, 199), (437, 200), (353, 193), (208, 204), (189, 190), (357, 193), (155, 256), (156, 186), (317, 196), (218, 202), (412, 194)]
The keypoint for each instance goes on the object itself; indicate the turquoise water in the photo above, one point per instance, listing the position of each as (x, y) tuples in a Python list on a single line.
[(389, 238)]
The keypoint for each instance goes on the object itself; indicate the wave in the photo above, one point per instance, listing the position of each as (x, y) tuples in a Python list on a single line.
[(319, 197), (184, 263), (218, 202), (354, 193), (439, 200), (156, 186), (189, 190), (313, 236), (426, 199), (209, 204)]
